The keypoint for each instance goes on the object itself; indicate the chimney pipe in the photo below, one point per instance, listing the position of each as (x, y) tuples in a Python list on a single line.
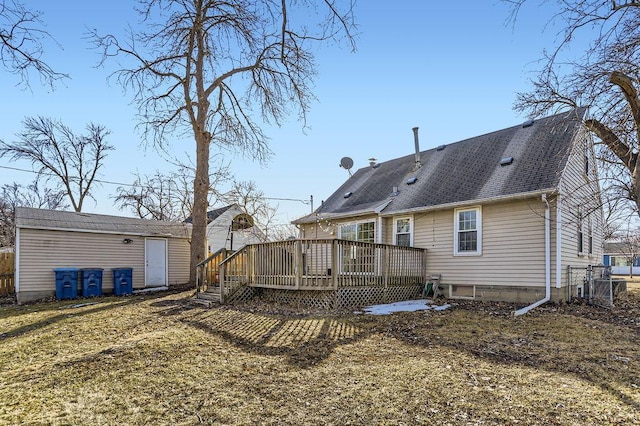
[(417, 144)]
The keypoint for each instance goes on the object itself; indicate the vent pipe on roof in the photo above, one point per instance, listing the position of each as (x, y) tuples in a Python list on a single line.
[(417, 144)]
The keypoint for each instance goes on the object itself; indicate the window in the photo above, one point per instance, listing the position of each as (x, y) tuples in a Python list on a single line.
[(468, 231), (402, 232), (363, 231), (590, 237), (580, 233), (358, 258), (586, 158)]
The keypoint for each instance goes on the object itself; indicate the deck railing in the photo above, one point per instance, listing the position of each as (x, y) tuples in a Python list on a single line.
[(207, 271), (321, 264)]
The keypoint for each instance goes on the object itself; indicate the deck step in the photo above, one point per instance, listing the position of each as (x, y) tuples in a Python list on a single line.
[(209, 296), (204, 302)]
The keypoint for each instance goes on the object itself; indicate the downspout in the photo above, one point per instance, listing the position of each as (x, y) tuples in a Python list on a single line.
[(547, 262), (559, 242)]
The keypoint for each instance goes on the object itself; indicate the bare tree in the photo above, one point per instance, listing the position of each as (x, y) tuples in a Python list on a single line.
[(212, 68), (71, 161), (21, 50), (253, 202), (33, 195), (165, 196), (604, 77)]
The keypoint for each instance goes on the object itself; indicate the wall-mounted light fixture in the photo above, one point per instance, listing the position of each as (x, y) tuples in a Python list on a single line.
[(127, 241)]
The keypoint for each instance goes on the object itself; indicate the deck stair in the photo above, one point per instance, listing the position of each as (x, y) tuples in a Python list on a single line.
[(209, 297)]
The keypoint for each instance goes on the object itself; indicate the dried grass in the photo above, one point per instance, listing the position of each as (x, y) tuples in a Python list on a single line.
[(160, 359)]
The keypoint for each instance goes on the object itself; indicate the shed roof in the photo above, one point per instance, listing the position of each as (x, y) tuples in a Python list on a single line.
[(214, 214), (466, 171), (27, 217)]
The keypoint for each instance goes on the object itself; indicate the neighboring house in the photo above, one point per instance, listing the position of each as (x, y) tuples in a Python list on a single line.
[(231, 228), (157, 251), (624, 258), (501, 215)]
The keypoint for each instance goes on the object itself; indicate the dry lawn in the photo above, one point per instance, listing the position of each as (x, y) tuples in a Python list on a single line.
[(162, 360)]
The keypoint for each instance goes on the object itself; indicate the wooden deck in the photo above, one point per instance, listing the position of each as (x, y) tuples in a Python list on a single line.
[(313, 265)]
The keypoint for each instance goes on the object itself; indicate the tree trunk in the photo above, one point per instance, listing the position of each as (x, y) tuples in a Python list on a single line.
[(200, 203)]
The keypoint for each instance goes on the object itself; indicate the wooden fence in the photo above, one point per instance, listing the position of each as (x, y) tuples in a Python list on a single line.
[(7, 265)]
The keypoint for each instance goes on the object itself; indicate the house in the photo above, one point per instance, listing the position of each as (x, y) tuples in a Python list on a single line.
[(501, 215), (230, 227), (157, 251), (623, 257)]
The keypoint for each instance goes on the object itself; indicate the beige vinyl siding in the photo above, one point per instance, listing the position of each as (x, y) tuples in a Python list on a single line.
[(178, 262), (387, 230), (512, 246), (43, 250), (580, 191), (320, 231), (179, 252)]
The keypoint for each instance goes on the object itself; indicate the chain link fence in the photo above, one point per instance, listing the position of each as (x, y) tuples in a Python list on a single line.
[(593, 284)]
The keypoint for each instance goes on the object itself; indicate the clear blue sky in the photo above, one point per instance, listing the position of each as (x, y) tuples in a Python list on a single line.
[(450, 68)]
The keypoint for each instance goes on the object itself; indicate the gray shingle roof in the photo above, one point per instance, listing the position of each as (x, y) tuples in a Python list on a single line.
[(89, 222), (462, 172), (212, 214)]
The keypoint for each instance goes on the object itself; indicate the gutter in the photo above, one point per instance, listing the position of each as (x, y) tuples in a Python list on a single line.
[(383, 205), (519, 196), (547, 262), (95, 231)]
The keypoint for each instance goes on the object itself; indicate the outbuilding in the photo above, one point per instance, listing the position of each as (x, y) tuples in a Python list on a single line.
[(157, 251)]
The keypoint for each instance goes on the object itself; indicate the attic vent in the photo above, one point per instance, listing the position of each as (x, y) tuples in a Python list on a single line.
[(441, 147), (506, 161), (347, 194), (527, 123), (412, 180)]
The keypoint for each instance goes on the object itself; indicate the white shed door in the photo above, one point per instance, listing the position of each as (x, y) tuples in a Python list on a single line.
[(156, 262)]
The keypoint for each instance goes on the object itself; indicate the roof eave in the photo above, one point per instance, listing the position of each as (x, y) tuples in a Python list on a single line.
[(98, 231), (490, 200), (324, 216)]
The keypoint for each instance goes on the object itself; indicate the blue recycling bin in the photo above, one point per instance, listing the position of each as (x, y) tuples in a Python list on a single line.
[(91, 282), (66, 282), (122, 281)]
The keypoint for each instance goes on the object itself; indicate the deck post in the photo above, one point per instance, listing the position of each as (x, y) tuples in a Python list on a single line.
[(385, 267), (221, 279), (249, 264), (424, 267), (298, 262), (334, 263)]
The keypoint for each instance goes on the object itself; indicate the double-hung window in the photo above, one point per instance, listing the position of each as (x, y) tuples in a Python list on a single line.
[(402, 232), (580, 232), (590, 236), (468, 231)]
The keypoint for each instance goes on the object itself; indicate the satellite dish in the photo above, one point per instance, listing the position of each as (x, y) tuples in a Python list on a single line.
[(346, 163)]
